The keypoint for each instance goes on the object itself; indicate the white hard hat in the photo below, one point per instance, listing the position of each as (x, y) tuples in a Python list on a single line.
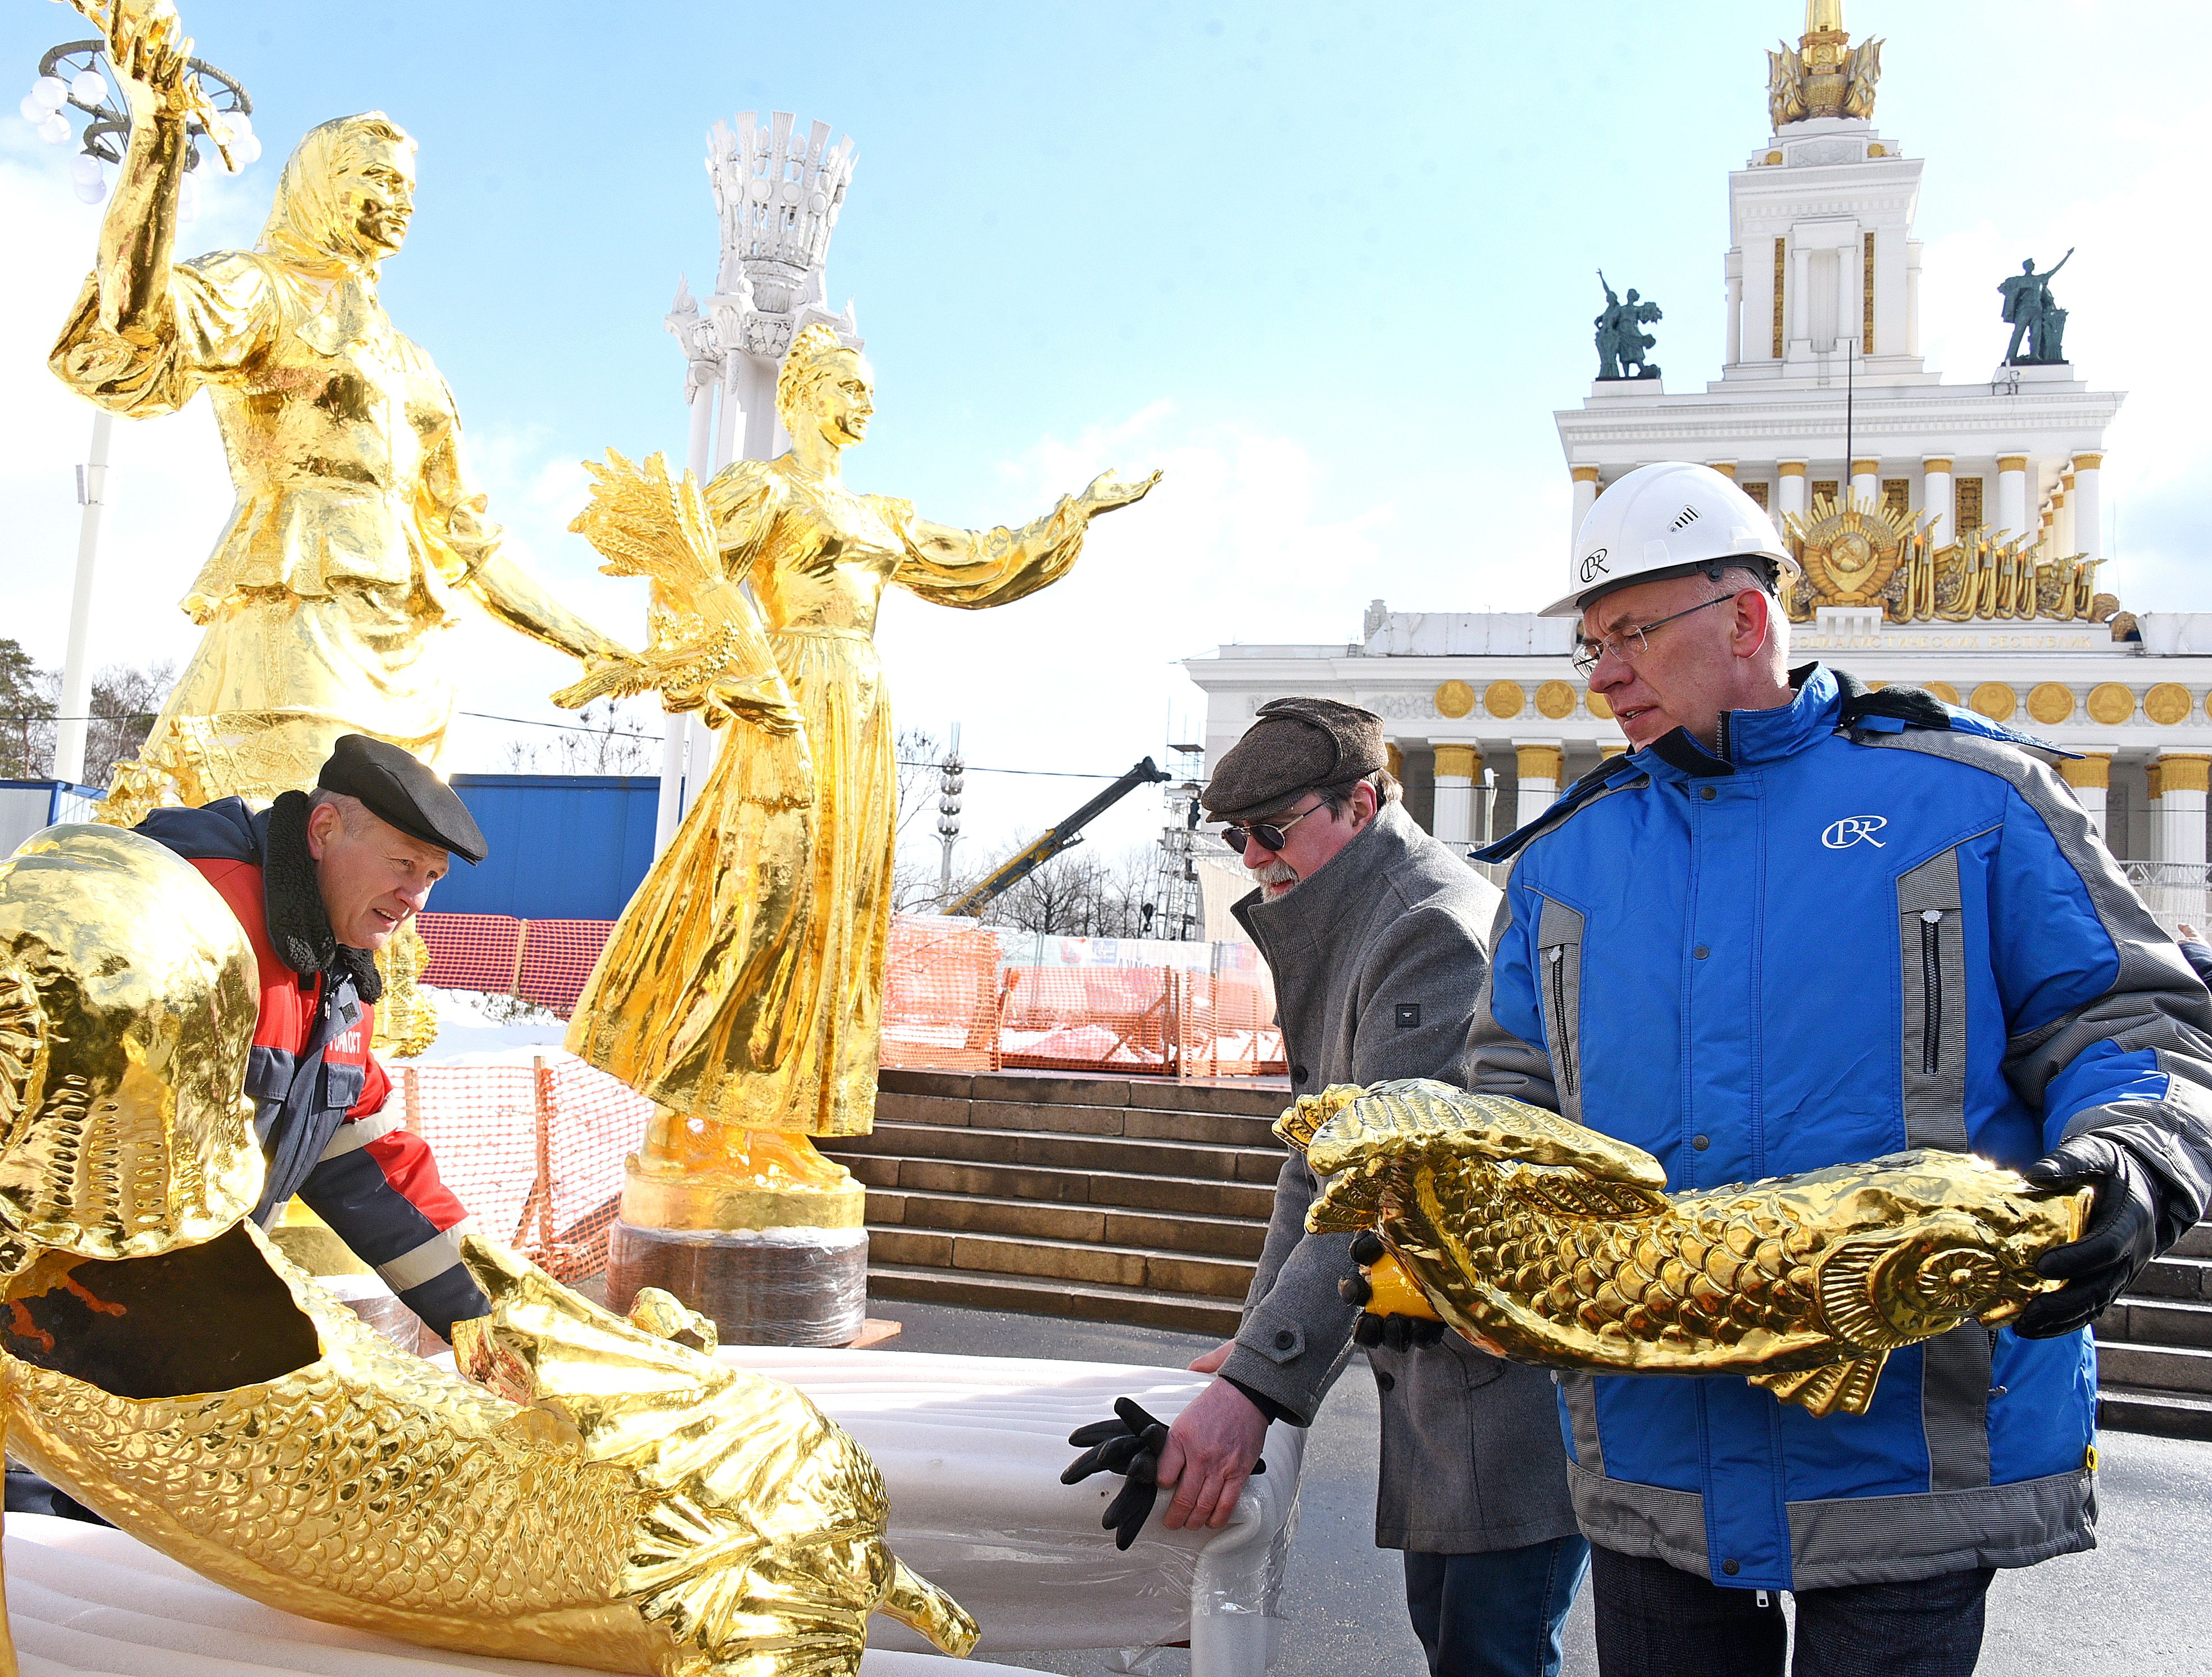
[(1663, 518)]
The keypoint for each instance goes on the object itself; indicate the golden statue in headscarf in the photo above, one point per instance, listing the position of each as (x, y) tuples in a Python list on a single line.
[(356, 525), (743, 989)]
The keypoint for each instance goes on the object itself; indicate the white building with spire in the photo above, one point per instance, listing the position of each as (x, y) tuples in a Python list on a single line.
[(1951, 533)]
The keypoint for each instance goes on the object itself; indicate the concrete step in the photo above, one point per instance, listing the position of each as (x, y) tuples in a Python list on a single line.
[(2195, 1242), (1142, 1307), (1256, 1098), (1123, 1192), (2169, 1415), (2175, 1277), (1214, 1236), (2157, 1322), (1062, 1152), (1228, 1129), (1059, 1261), (2157, 1367)]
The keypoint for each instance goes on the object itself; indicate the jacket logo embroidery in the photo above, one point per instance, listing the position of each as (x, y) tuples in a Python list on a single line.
[(1843, 835), (1409, 1015)]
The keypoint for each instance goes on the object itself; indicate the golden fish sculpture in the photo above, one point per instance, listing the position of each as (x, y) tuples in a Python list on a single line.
[(1546, 1242), (605, 1496)]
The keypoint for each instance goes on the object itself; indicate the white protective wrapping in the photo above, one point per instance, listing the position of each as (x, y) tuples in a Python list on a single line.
[(88, 1601), (972, 1448)]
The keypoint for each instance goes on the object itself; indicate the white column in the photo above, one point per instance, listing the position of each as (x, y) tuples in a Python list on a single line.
[(2150, 845), (1866, 482), (2061, 516), (2090, 775), (2183, 778), (1541, 762), (1585, 498), (676, 727), (1798, 297), (76, 663), (1935, 498), (1790, 487), (1850, 299), (2012, 496), (1457, 768), (1912, 297), (1735, 307), (2088, 504)]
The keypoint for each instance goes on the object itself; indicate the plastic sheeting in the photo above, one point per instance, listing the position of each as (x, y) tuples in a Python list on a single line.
[(972, 1448), (88, 1601)]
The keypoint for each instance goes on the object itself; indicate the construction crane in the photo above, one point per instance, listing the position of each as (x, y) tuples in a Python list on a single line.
[(1065, 835)]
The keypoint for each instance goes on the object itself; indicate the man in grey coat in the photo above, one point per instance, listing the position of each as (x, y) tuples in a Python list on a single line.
[(1374, 934)]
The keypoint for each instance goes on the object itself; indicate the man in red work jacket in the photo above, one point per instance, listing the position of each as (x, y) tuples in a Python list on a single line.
[(320, 881)]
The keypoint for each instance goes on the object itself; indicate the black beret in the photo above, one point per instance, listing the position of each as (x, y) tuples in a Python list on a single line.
[(398, 789), (1292, 746)]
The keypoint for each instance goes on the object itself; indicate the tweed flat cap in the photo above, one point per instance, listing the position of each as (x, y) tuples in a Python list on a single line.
[(1292, 746), (398, 789)]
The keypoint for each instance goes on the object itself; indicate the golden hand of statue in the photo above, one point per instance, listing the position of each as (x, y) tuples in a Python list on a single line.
[(1109, 491), (149, 52)]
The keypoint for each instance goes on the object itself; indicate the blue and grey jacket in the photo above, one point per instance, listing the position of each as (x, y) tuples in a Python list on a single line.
[(1842, 934)]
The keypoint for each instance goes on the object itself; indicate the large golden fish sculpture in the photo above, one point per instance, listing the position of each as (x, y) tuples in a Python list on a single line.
[(602, 1494), (1546, 1242)]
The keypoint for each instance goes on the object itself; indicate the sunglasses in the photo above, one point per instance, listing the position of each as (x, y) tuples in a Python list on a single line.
[(1270, 834)]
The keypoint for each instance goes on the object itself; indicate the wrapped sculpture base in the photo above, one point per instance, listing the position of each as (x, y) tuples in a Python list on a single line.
[(772, 1265)]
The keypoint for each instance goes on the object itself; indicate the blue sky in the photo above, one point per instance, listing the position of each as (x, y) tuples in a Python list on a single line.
[(1329, 265)]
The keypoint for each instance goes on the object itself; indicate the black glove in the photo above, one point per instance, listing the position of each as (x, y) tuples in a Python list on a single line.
[(1130, 1444), (2123, 1232), (1396, 1332)]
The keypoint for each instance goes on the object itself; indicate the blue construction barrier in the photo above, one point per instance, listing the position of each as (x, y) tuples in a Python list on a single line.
[(563, 846)]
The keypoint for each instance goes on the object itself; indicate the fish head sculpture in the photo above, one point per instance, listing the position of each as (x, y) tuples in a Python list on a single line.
[(127, 997)]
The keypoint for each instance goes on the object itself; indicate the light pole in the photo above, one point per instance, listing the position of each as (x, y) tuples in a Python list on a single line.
[(949, 783), (70, 78)]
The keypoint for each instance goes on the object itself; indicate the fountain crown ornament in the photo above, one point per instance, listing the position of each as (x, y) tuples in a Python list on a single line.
[(778, 193)]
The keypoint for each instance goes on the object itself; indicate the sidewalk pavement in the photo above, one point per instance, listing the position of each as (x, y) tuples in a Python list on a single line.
[(2136, 1604)]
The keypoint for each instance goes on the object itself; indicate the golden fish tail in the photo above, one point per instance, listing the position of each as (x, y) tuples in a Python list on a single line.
[(920, 1606)]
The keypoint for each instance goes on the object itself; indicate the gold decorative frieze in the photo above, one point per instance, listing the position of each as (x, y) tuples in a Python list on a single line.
[(2051, 703), (1994, 700), (1455, 699), (1504, 699), (2167, 703), (1555, 699), (2111, 704)]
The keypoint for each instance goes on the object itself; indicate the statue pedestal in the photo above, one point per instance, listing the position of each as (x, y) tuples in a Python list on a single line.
[(801, 1288), (781, 1264)]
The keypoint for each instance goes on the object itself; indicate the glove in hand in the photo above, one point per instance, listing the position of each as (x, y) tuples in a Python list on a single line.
[(2122, 1237), (1130, 1444), (1392, 1333)]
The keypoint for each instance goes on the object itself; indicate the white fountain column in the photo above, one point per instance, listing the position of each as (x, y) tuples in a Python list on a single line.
[(2183, 779), (1866, 482), (1791, 487), (1585, 498), (1937, 498), (2088, 504), (1540, 762), (1458, 767), (2090, 775), (2012, 497)]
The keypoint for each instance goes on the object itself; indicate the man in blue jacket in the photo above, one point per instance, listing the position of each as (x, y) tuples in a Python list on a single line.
[(1803, 923)]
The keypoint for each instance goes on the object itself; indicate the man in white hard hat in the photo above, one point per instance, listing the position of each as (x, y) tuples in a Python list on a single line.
[(1802, 924)]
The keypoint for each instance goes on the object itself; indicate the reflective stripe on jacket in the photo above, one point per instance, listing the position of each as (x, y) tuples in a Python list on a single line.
[(1815, 948)]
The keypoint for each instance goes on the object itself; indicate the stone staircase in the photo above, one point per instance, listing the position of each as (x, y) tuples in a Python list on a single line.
[(2154, 1347), (1126, 1199)]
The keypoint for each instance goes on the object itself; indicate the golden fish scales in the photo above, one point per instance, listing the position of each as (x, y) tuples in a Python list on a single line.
[(649, 1510), (1550, 1244)]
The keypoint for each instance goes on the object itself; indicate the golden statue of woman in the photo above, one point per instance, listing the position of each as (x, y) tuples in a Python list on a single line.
[(743, 990), (357, 523)]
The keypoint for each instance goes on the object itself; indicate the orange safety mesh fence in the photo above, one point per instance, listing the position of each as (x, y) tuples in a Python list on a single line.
[(534, 1149), (952, 1000), (472, 951), (941, 995), (556, 959)]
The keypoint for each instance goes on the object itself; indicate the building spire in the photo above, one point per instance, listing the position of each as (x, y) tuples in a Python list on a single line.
[(1824, 75)]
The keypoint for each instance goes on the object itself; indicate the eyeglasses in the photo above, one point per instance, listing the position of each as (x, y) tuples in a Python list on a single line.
[(1270, 834), (1628, 644)]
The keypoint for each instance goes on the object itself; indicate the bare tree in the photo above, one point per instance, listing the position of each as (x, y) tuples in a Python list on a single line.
[(1077, 894), (126, 699), (919, 753), (605, 739)]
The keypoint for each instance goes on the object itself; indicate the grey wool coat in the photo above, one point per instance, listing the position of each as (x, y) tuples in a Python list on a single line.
[(1377, 960)]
